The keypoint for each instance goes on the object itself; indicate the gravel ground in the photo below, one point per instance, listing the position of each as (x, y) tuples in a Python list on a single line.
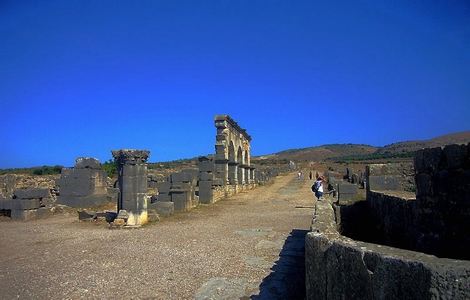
[(249, 245)]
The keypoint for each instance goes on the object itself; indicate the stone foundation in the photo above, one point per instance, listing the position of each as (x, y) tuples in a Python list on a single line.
[(338, 267)]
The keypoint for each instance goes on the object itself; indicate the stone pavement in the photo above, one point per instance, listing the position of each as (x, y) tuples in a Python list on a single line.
[(248, 246)]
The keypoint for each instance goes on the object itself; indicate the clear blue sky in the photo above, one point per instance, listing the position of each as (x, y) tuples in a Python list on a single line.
[(80, 78)]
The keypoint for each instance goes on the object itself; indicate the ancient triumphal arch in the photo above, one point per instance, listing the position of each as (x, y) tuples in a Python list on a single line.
[(232, 152)]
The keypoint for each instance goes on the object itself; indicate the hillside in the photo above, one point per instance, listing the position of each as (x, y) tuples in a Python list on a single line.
[(323, 152), (366, 152), (411, 146)]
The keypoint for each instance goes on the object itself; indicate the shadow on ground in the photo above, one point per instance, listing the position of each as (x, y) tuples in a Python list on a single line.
[(287, 277)]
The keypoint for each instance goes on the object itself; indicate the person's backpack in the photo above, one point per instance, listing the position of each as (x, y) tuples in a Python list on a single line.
[(315, 186)]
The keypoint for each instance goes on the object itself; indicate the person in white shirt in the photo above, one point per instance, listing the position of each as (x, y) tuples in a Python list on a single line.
[(318, 188)]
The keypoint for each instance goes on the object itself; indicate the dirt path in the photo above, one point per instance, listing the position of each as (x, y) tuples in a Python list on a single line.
[(250, 245)]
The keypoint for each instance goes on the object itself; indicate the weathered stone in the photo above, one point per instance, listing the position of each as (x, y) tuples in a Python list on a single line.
[(427, 160), (164, 209), (6, 204), (206, 166), (32, 193), (164, 198), (181, 177), (87, 163), (132, 170), (206, 192), (20, 204), (83, 187), (339, 268), (84, 215), (181, 199), (454, 156), (204, 176), (164, 187), (24, 215), (232, 147), (424, 184)]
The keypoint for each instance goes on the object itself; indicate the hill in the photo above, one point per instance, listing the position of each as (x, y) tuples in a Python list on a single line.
[(323, 152), (350, 152), (411, 146)]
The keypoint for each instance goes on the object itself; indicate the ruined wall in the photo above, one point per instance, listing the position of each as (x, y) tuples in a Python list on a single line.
[(391, 177), (338, 267), (443, 199), (437, 219), (11, 182), (393, 216), (85, 185)]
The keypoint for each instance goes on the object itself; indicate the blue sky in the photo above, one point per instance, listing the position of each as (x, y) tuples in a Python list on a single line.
[(80, 78)]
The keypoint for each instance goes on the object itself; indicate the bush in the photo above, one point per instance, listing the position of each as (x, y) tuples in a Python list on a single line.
[(47, 170), (110, 167)]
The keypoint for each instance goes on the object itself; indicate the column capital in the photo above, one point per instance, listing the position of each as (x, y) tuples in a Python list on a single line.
[(130, 155)]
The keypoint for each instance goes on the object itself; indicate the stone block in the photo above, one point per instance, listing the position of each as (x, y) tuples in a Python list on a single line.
[(21, 204), (427, 160), (24, 215), (181, 177), (181, 200), (32, 193), (82, 182), (384, 182), (87, 163), (163, 198), (206, 166), (164, 187), (180, 186), (454, 156), (164, 209), (83, 202), (6, 204), (345, 188), (424, 186), (84, 215), (218, 181), (204, 176), (206, 193)]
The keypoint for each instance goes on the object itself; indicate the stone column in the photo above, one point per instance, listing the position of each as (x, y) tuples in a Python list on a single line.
[(241, 174), (221, 150), (233, 173), (253, 173), (132, 178), (247, 175)]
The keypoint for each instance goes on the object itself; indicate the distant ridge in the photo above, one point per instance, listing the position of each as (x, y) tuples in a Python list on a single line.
[(362, 151)]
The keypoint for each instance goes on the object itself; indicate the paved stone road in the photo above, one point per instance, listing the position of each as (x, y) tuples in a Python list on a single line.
[(248, 246)]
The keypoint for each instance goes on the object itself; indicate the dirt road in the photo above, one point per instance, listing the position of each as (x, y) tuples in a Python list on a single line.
[(250, 245)]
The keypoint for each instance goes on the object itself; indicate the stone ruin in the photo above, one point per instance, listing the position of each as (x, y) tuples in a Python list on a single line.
[(84, 185), (397, 243), (141, 196), (25, 197), (232, 153), (132, 181)]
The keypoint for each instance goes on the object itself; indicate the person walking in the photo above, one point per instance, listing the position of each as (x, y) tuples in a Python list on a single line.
[(317, 188)]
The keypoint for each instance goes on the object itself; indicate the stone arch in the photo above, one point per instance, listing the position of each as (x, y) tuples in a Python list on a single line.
[(241, 162), (232, 159), (232, 164)]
